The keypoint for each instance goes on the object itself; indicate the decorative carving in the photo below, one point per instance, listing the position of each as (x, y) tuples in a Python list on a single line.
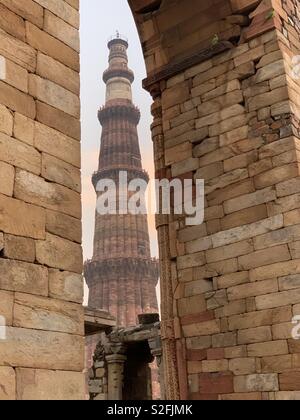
[(162, 221), (119, 110), (115, 349), (99, 354)]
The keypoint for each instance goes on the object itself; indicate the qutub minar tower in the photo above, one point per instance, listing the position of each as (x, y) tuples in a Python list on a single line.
[(122, 277)]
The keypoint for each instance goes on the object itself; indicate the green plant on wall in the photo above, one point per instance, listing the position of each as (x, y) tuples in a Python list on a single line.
[(215, 40), (270, 15)]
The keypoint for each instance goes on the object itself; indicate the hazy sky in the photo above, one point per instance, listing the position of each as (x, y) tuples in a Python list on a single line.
[(99, 21)]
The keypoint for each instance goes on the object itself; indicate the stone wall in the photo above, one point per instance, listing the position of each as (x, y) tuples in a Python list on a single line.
[(41, 287), (230, 287), (226, 110), (127, 363), (98, 381)]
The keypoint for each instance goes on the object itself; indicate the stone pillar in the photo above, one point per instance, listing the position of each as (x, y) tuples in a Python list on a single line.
[(115, 368), (226, 111), (156, 351), (40, 224), (162, 224)]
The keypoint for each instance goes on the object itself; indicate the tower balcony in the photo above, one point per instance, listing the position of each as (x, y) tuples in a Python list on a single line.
[(118, 71), (96, 270), (113, 172), (119, 108), (118, 39)]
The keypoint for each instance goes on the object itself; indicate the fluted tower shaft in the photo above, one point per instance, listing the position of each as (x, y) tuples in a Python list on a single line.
[(122, 277)]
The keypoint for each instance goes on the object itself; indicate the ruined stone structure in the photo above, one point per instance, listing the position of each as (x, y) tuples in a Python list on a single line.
[(122, 362), (226, 109), (121, 277)]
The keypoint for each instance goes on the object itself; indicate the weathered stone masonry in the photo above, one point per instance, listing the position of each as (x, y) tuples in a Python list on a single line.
[(121, 368), (226, 110), (122, 277), (41, 287)]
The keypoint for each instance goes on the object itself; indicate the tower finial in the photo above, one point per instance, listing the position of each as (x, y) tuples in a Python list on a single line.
[(118, 34)]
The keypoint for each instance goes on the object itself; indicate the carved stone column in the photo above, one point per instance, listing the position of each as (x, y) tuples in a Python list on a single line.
[(169, 365), (115, 366), (156, 351)]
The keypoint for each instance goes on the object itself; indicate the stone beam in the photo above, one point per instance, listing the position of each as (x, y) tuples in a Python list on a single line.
[(144, 6), (240, 6)]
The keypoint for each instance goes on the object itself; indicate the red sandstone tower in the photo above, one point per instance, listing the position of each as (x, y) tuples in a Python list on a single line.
[(122, 277)]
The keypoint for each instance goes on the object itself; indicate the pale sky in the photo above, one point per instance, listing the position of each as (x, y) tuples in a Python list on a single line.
[(99, 21)]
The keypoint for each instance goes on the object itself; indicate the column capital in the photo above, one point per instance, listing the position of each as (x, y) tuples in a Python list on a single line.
[(116, 358), (115, 351)]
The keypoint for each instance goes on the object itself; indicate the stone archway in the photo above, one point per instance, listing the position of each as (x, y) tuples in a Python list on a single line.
[(211, 71), (123, 364), (225, 86)]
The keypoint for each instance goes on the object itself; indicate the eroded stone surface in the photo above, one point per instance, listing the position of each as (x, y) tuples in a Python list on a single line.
[(49, 385), (7, 384)]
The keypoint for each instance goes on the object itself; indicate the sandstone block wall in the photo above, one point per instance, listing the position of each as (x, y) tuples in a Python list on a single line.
[(98, 381), (41, 288), (230, 287)]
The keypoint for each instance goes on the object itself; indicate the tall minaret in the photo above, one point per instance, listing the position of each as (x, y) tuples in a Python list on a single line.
[(122, 277)]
